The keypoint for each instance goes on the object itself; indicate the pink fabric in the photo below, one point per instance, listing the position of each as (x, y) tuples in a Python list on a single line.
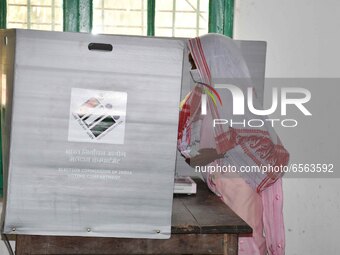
[(272, 200), (248, 205), (262, 211)]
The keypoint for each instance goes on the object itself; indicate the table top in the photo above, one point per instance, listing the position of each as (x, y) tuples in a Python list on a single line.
[(205, 213)]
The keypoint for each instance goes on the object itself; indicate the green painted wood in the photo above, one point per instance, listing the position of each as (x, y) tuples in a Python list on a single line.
[(85, 15), (77, 15), (71, 15), (216, 16), (228, 18), (151, 17), (221, 17), (3, 13)]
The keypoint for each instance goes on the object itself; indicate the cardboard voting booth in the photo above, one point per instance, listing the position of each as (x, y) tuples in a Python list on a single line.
[(89, 129)]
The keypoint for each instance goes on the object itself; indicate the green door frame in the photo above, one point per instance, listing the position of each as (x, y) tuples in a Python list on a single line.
[(151, 9), (221, 17), (3, 13), (78, 17)]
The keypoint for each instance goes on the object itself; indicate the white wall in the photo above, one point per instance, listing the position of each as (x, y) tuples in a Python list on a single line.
[(303, 41), (303, 36)]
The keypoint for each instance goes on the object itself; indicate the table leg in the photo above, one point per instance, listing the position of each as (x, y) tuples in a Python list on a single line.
[(230, 244), (22, 245)]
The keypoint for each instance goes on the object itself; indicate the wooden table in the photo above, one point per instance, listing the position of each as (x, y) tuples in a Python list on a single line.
[(201, 224)]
